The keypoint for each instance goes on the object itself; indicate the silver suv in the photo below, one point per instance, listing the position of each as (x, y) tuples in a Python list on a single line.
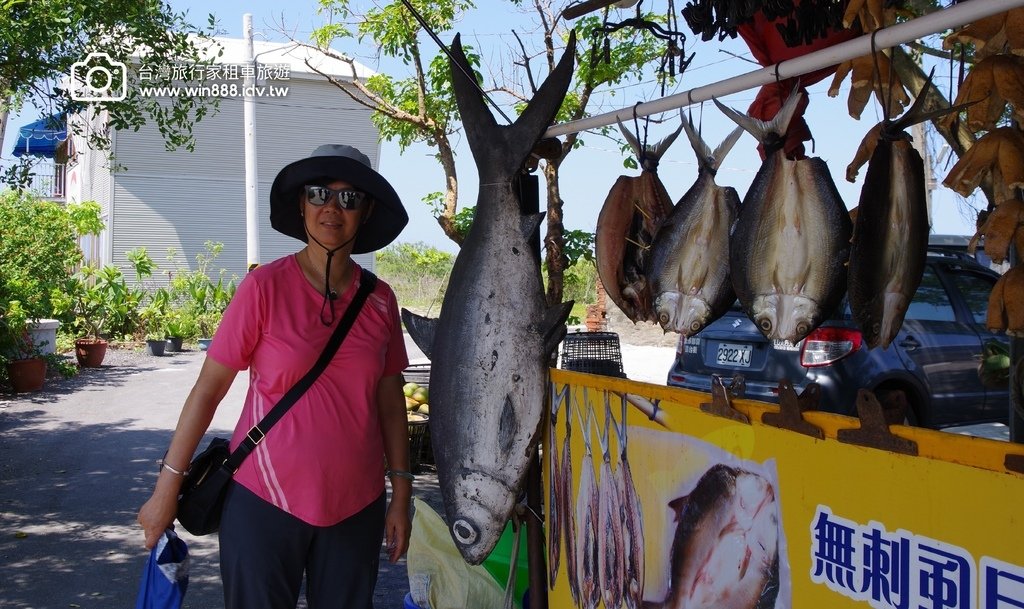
[(934, 359)]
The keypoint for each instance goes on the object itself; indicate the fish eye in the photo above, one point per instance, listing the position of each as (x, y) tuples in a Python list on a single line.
[(695, 326), (876, 328), (663, 318), (765, 324), (803, 328), (464, 532)]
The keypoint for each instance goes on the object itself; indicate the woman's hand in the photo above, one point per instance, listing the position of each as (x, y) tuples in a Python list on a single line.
[(157, 514), (397, 529)]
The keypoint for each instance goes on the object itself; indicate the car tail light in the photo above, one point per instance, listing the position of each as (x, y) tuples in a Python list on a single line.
[(826, 346)]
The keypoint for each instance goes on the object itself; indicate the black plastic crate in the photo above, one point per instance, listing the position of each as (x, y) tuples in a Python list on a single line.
[(592, 352)]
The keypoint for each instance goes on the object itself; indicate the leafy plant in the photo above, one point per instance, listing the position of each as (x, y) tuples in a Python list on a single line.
[(15, 341), (100, 301)]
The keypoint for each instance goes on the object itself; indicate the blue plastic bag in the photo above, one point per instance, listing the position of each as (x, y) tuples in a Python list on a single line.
[(165, 577)]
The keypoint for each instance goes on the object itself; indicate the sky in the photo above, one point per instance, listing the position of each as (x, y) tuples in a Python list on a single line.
[(590, 171)]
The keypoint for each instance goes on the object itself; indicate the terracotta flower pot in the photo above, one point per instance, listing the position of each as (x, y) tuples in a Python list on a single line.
[(27, 374), (90, 352)]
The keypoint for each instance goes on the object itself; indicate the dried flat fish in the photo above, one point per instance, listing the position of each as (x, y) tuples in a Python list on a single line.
[(633, 211), (789, 249), (689, 272)]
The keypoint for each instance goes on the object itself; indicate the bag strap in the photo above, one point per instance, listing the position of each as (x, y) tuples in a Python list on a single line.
[(367, 282)]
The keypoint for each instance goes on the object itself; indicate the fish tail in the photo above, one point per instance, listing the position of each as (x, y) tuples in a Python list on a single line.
[(495, 146), (766, 130)]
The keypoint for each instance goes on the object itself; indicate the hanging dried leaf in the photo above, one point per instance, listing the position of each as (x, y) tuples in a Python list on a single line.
[(990, 86), (996, 34), (1001, 153), (871, 13), (1003, 222), (1006, 303), (864, 81), (864, 152)]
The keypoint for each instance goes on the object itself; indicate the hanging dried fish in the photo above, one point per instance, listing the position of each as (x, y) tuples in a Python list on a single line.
[(565, 505), (554, 533), (890, 237), (689, 271), (789, 249), (990, 86), (865, 79), (999, 153), (587, 515), (611, 545), (633, 521), (1006, 303), (996, 34), (1003, 225), (630, 218)]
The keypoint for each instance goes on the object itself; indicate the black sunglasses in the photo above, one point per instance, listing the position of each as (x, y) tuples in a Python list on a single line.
[(346, 198)]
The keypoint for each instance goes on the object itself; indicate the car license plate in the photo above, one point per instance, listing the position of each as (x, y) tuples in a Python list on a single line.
[(733, 355)]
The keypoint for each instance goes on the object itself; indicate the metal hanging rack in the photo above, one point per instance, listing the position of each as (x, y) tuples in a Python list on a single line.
[(949, 18)]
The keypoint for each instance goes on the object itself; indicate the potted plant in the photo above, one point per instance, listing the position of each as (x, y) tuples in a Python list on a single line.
[(85, 296), (23, 361), (153, 321), (177, 328), (207, 323)]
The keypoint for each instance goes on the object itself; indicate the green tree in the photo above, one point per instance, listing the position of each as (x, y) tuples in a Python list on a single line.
[(419, 107), (42, 40), (602, 61)]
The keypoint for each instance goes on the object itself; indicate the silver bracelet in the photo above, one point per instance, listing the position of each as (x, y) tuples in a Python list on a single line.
[(164, 465), (401, 474)]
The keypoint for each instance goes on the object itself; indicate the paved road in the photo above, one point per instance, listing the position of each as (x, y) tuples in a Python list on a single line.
[(76, 462)]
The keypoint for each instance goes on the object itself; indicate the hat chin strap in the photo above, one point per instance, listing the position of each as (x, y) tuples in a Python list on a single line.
[(329, 295)]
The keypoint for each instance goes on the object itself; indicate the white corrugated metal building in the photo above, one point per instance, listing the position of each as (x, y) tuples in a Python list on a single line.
[(157, 199)]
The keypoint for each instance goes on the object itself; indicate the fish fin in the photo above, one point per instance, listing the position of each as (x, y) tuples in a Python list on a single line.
[(700, 148), (678, 505), (489, 141), (508, 425), (916, 113), (554, 325), (530, 223), (476, 117), (763, 130), (421, 329), (631, 139), (662, 146), (725, 147)]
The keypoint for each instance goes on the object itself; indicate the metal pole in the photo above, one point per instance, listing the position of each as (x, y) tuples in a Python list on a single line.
[(252, 215), (955, 16)]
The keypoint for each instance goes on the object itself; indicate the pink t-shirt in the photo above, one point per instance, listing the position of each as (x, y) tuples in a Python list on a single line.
[(324, 460)]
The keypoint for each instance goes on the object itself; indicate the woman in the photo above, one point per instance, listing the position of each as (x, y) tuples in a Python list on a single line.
[(310, 499)]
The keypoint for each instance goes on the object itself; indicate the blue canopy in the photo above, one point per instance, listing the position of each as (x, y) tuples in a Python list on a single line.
[(42, 137)]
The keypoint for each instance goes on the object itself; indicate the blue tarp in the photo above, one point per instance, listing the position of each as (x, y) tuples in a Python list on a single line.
[(42, 137)]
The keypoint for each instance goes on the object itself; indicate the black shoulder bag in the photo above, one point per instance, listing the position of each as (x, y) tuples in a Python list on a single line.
[(201, 499)]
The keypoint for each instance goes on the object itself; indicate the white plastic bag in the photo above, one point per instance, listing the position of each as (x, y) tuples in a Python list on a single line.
[(438, 576)]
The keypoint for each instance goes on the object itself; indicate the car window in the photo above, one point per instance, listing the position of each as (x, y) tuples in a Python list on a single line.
[(931, 302), (975, 290)]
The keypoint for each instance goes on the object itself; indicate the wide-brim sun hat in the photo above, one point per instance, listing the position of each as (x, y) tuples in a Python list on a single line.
[(338, 162)]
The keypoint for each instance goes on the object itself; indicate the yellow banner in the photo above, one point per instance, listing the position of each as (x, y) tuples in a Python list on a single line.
[(652, 502)]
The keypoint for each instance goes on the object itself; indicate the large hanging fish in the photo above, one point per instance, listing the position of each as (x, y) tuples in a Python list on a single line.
[(689, 270), (789, 250), (633, 211), (491, 343), (890, 237)]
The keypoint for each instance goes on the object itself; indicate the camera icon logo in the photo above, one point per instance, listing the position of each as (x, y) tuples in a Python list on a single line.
[(98, 78)]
